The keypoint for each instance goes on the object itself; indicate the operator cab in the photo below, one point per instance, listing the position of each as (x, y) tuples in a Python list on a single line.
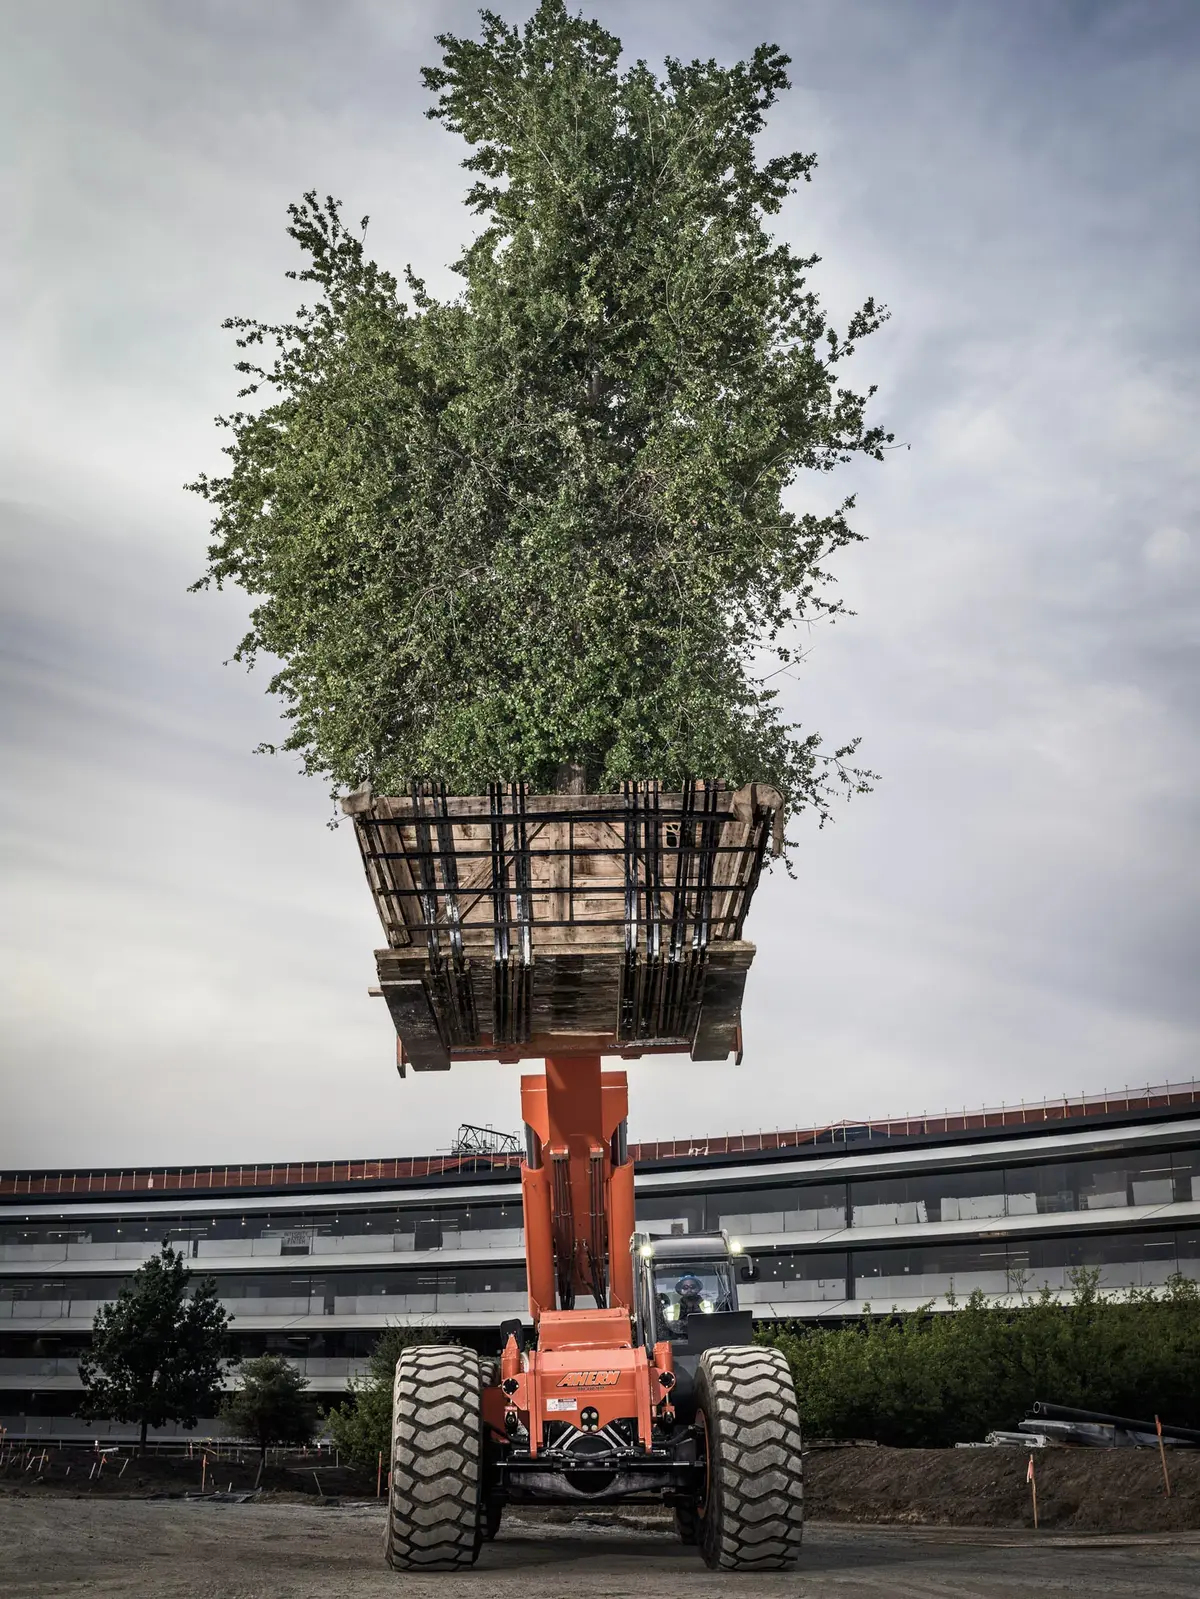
[(698, 1289), (680, 1279)]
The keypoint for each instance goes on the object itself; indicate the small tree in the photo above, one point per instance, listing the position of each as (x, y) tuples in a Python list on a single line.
[(362, 1426), (157, 1351), (270, 1405)]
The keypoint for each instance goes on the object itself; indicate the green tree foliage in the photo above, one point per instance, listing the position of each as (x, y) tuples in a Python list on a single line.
[(270, 1405), (922, 1379), (156, 1353), (543, 523), (362, 1426)]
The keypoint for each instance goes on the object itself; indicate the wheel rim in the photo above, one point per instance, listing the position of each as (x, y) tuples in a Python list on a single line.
[(702, 1507)]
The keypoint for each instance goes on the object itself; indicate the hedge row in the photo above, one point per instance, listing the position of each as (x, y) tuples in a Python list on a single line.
[(929, 1379)]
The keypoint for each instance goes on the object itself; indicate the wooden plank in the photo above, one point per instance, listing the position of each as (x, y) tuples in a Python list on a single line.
[(721, 1005), (552, 901), (557, 876), (396, 911), (575, 996), (415, 1024)]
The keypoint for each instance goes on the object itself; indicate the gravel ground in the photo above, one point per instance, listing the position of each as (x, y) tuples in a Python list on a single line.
[(52, 1545)]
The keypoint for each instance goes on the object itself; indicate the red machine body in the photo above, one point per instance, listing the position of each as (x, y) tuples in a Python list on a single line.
[(577, 1196)]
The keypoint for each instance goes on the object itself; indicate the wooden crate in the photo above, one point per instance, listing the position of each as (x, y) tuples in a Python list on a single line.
[(524, 925)]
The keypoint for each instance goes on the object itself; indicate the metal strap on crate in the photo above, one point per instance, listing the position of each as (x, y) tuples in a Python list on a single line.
[(661, 991), (750, 870), (450, 979), (424, 875), (628, 996), (511, 974), (451, 879)]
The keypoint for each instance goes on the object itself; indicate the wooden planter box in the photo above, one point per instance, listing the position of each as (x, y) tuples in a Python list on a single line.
[(530, 924)]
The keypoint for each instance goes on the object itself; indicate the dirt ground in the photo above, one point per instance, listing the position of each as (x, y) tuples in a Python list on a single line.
[(1094, 1490), (73, 1469), (55, 1545)]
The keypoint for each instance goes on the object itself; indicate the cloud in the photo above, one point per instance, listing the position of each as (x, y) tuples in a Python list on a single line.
[(1014, 913)]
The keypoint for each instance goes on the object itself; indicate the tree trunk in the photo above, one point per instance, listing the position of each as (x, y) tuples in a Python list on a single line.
[(142, 1444), (571, 778)]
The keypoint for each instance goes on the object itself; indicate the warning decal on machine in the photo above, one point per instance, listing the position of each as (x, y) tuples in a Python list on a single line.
[(562, 1404), (589, 1379)]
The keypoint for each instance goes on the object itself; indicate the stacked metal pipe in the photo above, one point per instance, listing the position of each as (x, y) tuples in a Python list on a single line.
[(1097, 1429)]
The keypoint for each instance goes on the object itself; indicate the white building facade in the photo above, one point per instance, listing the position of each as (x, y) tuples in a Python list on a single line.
[(841, 1220)]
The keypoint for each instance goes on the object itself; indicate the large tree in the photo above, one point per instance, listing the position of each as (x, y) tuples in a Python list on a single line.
[(157, 1351), (542, 523)]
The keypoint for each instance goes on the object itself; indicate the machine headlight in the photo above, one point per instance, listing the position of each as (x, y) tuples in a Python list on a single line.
[(647, 1251)]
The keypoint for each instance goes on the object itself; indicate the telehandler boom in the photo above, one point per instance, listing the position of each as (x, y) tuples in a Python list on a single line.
[(569, 927)]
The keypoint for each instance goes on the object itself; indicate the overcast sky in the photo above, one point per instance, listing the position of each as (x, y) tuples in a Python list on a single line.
[(1015, 913)]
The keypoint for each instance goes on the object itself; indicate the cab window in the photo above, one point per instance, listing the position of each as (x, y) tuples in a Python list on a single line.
[(681, 1291)]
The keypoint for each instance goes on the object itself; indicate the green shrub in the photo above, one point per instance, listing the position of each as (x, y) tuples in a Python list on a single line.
[(925, 1379), (361, 1427)]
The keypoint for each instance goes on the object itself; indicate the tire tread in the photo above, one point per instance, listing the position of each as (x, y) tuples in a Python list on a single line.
[(433, 1521), (754, 1517)]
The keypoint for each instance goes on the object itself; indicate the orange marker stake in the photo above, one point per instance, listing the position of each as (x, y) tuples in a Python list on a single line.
[(1162, 1455), (1031, 1479), (379, 1477)]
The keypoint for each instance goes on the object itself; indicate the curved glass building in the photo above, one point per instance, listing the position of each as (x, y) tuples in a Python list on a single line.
[(313, 1260)]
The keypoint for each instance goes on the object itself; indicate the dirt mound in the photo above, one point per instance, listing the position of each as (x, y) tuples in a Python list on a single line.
[(1089, 1490), (74, 1469)]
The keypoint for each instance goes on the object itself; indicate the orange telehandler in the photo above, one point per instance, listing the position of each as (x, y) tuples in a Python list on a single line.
[(568, 927)]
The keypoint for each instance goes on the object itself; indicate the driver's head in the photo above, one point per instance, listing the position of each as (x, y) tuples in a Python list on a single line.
[(689, 1287)]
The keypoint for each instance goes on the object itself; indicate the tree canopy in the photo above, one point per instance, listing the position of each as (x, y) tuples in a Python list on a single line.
[(542, 523), (156, 1352), (270, 1405)]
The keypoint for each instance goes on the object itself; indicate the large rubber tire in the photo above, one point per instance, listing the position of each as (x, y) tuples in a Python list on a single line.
[(434, 1503), (751, 1515)]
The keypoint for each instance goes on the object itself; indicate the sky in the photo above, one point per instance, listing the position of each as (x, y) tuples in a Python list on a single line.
[(1014, 913)]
